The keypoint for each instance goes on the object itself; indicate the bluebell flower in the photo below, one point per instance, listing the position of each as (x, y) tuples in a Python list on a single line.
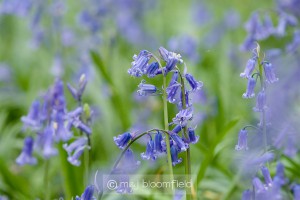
[(296, 190), (124, 185), (183, 117), (87, 194), (174, 79), (267, 157), (152, 69), (80, 142), (170, 58), (195, 85), (250, 66), (129, 162), (248, 44), (15, 7), (174, 156), (293, 46), (32, 120), (89, 20), (269, 73), (180, 144), (140, 63), (290, 147), (192, 137), (48, 139), (158, 148), (247, 195), (149, 154), (260, 102), (177, 129), (268, 25), (267, 176), (280, 174), (74, 158), (146, 89), (81, 126), (58, 101), (122, 140), (61, 131), (26, 156), (258, 185), (187, 100), (242, 140), (173, 93), (250, 88), (77, 93)]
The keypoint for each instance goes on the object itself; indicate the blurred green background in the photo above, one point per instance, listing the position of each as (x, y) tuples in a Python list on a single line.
[(217, 29)]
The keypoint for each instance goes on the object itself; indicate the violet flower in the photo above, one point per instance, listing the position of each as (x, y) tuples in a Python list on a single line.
[(122, 140), (26, 156)]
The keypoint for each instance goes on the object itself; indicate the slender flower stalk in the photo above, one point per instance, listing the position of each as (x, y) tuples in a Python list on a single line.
[(166, 124), (262, 85), (187, 153)]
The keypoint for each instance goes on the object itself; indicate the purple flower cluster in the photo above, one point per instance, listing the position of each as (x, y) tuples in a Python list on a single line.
[(51, 123), (270, 188), (179, 83), (260, 27)]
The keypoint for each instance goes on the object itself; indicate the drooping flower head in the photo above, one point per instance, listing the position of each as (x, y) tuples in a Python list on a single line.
[(250, 88), (249, 68), (242, 140), (26, 156), (139, 65), (32, 120), (195, 85), (146, 89), (260, 102), (269, 73), (192, 137), (87, 194), (183, 117), (174, 156), (149, 154), (122, 140)]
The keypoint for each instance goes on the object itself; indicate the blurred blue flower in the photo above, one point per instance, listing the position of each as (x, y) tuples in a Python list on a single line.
[(266, 173), (26, 156), (242, 140), (269, 73), (47, 143), (260, 102), (78, 143), (249, 68), (250, 88), (32, 120)]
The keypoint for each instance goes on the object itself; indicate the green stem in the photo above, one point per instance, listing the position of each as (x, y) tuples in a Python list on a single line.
[(188, 170), (261, 78), (166, 121), (46, 180), (86, 158)]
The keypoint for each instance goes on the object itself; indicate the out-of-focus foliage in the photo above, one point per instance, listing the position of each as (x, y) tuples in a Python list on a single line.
[(48, 39)]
